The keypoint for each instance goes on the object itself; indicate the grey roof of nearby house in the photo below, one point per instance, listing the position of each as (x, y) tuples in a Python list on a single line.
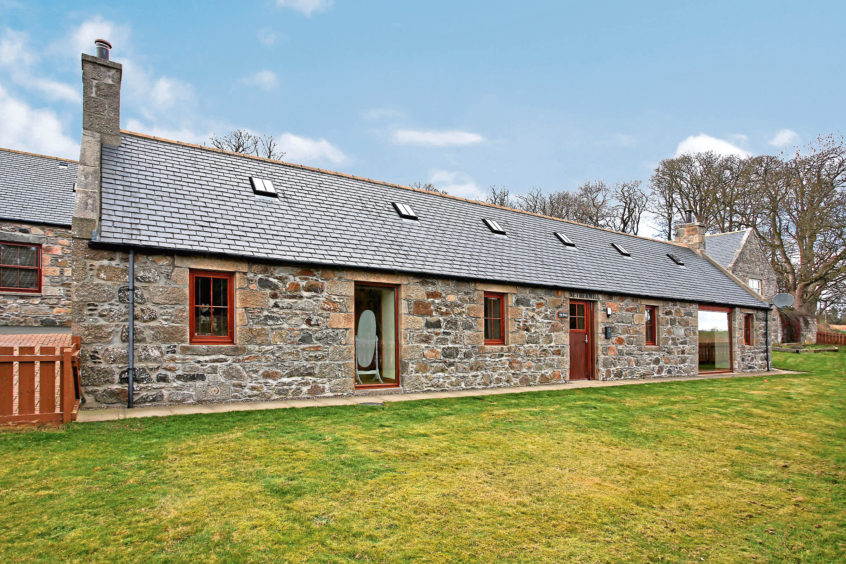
[(168, 195), (36, 188), (724, 247)]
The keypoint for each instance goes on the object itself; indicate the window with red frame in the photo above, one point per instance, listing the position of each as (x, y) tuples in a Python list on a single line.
[(20, 267), (494, 319), (651, 325), (212, 308), (747, 329)]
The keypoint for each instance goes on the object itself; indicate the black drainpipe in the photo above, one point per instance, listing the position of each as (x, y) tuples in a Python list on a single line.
[(131, 372), (767, 329)]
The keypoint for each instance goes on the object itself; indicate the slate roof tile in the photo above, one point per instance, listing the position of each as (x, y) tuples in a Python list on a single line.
[(36, 188), (183, 197)]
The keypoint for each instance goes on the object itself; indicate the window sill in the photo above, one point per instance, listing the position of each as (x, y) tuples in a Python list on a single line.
[(652, 347), (21, 293)]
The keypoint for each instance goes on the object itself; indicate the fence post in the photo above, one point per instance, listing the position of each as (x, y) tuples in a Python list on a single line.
[(68, 392)]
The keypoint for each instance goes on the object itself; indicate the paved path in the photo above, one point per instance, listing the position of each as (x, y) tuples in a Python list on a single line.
[(112, 413)]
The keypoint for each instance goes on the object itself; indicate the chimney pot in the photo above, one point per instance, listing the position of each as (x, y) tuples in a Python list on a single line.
[(688, 216), (103, 48)]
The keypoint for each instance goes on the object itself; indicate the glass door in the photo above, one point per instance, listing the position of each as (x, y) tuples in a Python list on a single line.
[(376, 343), (715, 353)]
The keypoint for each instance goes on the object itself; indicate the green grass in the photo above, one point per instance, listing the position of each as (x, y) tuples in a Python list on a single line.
[(717, 470)]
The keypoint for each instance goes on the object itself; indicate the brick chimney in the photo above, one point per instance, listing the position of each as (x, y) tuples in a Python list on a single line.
[(100, 126), (691, 233)]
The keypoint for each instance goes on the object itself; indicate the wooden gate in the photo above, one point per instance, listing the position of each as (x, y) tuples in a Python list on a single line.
[(39, 384)]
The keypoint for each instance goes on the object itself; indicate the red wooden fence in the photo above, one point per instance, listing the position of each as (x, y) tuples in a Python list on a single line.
[(826, 338), (32, 379)]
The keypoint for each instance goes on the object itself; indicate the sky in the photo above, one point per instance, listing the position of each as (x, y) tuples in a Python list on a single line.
[(461, 94)]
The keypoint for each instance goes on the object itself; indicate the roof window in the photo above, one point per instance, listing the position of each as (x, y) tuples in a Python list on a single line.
[(494, 226), (675, 259), (621, 250), (564, 239), (263, 186), (404, 211)]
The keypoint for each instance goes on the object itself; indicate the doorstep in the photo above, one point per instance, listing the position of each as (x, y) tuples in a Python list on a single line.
[(115, 413)]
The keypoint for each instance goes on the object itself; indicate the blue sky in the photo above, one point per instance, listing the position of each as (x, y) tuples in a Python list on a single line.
[(463, 94)]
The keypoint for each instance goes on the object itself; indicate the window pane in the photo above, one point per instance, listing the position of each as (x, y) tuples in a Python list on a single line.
[(27, 256), (220, 291), (493, 307), (202, 320), (493, 329), (28, 279), (375, 335), (9, 277), (220, 322), (11, 255), (202, 290)]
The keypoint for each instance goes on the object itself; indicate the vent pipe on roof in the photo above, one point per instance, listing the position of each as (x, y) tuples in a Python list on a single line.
[(103, 48)]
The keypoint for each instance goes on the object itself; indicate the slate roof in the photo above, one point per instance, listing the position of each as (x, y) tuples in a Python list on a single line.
[(168, 195), (724, 247), (36, 188)]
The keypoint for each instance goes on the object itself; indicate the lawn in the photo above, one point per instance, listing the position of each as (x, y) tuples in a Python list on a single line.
[(717, 470)]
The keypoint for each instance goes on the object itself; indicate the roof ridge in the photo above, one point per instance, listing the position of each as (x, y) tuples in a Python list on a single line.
[(17, 152), (744, 230), (391, 184)]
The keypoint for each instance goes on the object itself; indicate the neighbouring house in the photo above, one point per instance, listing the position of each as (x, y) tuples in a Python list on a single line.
[(256, 279), (36, 207), (741, 253)]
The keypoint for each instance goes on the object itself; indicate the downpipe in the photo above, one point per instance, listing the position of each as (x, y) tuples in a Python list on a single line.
[(767, 336), (131, 371)]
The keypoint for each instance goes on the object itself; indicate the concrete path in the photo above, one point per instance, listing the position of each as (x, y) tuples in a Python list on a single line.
[(113, 413)]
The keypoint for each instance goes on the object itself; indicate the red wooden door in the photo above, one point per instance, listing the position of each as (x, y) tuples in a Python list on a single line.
[(581, 340)]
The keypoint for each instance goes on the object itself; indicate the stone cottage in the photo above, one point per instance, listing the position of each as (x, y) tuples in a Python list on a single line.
[(36, 207), (252, 279)]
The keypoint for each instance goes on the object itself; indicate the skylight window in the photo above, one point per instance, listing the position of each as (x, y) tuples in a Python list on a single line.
[(404, 211), (564, 239), (675, 259), (621, 250), (494, 226), (263, 186)]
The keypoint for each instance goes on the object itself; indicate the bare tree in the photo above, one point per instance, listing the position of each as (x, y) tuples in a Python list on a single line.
[(500, 196), (243, 141), (798, 209), (631, 202)]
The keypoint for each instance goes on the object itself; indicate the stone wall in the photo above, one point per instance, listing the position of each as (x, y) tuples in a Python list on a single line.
[(752, 358), (51, 307), (625, 354), (752, 263), (294, 333)]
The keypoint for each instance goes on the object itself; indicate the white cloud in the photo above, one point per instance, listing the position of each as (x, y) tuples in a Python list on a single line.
[(13, 49), (56, 90), (302, 149), (264, 79), (452, 138), (784, 137), (185, 134), (31, 129), (704, 143), (267, 37), (457, 184), (306, 7), (82, 39)]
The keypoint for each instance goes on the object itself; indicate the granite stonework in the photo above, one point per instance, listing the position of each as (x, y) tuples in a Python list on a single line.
[(626, 355), (52, 306), (751, 262), (294, 333), (753, 358)]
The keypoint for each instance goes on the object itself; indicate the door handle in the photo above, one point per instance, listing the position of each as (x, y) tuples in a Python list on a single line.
[(586, 339)]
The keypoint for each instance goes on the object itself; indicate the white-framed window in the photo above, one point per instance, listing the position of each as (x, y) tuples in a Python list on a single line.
[(755, 284)]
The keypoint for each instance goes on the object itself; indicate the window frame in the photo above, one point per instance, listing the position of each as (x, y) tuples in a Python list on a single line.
[(195, 339), (397, 334), (748, 321), (653, 322), (760, 288), (730, 315), (37, 268), (501, 297)]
